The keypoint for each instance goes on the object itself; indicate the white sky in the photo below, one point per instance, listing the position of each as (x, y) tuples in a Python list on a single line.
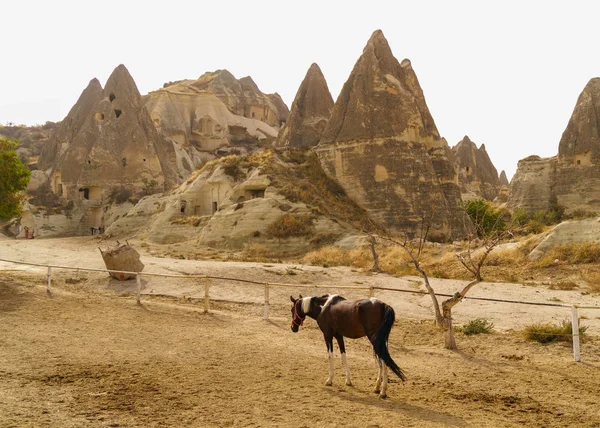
[(506, 73)]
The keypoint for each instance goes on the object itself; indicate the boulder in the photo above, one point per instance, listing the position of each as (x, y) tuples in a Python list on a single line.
[(122, 257)]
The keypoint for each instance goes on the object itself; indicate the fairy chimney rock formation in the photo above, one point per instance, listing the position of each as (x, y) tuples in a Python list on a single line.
[(106, 141), (309, 114), (383, 147), (570, 180), (477, 176), (503, 179)]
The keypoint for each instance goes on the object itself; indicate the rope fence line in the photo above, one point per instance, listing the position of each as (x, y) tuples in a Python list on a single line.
[(267, 285)]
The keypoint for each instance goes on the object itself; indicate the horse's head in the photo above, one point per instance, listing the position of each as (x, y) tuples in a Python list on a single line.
[(298, 314)]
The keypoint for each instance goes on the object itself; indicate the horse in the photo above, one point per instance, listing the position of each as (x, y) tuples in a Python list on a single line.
[(339, 318)]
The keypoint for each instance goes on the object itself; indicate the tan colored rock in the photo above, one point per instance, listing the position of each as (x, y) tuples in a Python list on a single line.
[(122, 257), (216, 114), (106, 143), (571, 179), (309, 114), (381, 144), (503, 179), (568, 232), (477, 176)]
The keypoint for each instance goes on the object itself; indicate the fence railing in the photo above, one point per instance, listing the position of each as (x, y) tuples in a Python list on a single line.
[(138, 276)]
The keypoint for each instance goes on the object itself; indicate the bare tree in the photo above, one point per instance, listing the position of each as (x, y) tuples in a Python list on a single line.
[(473, 259)]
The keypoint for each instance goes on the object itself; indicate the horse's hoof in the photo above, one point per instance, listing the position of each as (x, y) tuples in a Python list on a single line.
[(383, 396), (348, 383), (328, 383), (377, 390)]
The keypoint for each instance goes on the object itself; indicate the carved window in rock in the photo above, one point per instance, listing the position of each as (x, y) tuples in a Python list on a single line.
[(206, 125)]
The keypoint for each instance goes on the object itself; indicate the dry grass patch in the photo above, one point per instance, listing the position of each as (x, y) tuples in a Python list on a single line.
[(572, 253), (193, 220)]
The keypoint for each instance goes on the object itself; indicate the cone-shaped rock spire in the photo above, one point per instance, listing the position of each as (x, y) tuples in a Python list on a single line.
[(582, 136), (107, 141), (309, 114), (382, 145), (477, 176)]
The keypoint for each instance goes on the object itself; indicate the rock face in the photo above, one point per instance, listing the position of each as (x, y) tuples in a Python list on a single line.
[(106, 143), (215, 209), (572, 178), (503, 179), (477, 176), (383, 147), (214, 115), (309, 114)]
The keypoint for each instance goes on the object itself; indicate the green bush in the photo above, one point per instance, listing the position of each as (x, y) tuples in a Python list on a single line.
[(486, 218), (477, 326)]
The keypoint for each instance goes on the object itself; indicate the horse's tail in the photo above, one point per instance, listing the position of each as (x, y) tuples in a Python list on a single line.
[(380, 341)]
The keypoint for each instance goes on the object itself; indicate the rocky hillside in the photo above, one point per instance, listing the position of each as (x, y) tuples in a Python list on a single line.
[(272, 202)]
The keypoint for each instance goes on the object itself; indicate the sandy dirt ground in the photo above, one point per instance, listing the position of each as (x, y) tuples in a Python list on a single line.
[(87, 355)]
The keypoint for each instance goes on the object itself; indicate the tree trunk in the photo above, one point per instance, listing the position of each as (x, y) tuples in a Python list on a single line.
[(449, 342), (375, 267)]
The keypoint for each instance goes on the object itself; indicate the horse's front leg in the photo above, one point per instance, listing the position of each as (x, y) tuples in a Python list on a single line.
[(329, 343), (340, 341)]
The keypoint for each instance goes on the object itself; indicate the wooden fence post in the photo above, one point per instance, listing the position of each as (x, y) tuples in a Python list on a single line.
[(371, 291), (206, 296), (266, 301), (575, 326), (138, 280), (49, 277)]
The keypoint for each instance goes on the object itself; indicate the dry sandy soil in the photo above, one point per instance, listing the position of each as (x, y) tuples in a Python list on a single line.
[(87, 355)]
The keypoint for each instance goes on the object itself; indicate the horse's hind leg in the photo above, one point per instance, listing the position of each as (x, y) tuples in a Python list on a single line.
[(384, 382), (340, 341), (329, 343), (379, 375)]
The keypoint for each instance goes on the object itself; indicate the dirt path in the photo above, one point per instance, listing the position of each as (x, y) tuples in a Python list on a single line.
[(87, 358), (83, 251)]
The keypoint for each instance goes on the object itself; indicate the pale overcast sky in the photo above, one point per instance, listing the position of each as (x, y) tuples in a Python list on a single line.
[(507, 74)]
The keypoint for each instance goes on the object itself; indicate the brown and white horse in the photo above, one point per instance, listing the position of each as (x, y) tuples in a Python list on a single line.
[(339, 318)]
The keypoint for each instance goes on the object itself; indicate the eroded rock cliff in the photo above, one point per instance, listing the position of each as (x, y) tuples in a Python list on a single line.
[(382, 146)]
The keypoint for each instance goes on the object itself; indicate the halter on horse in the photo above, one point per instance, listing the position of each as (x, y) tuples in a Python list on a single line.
[(339, 318)]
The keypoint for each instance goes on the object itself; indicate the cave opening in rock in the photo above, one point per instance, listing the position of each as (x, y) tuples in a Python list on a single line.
[(111, 97), (118, 112)]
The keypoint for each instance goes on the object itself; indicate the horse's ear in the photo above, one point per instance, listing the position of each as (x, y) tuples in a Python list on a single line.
[(292, 299), (300, 296)]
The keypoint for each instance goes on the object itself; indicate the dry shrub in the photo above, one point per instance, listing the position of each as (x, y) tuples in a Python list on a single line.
[(256, 253), (506, 256), (193, 220), (563, 285), (592, 278), (547, 333), (573, 253), (395, 261), (289, 225), (330, 256)]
